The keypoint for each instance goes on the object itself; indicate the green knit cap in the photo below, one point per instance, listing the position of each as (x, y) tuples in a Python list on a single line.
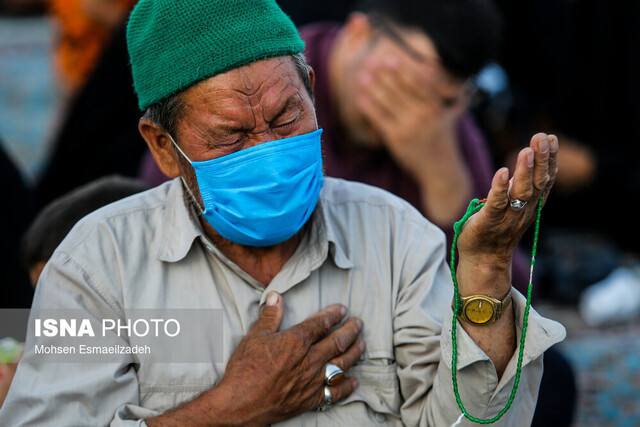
[(174, 44)]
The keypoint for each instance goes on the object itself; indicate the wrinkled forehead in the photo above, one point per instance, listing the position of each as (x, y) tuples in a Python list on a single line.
[(262, 82), (233, 99)]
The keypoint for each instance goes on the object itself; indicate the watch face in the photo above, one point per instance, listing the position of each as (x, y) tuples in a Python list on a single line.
[(478, 311)]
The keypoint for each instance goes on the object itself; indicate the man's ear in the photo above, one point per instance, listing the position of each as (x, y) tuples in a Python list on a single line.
[(161, 147), (312, 77), (312, 80), (357, 30)]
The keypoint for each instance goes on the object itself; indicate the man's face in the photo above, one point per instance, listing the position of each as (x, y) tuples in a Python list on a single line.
[(256, 103), (411, 49)]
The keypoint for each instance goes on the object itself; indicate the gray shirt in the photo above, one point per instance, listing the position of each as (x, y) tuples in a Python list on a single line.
[(363, 248)]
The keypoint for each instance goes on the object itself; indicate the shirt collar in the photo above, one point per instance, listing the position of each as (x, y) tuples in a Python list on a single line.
[(326, 231), (181, 227)]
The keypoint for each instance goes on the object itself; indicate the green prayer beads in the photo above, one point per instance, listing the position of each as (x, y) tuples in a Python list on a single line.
[(474, 207)]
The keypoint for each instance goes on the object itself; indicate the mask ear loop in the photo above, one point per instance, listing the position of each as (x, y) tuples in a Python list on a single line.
[(193, 197)]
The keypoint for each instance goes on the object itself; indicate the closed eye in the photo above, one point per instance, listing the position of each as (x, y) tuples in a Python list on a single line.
[(288, 123), (221, 144)]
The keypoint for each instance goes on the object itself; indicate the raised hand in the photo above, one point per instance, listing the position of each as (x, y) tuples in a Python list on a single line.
[(489, 238), (496, 229)]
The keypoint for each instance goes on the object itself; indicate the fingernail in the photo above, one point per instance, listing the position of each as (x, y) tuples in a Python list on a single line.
[(530, 158), (359, 323), (504, 175), (343, 310), (553, 145), (361, 345), (543, 145), (355, 382), (272, 298)]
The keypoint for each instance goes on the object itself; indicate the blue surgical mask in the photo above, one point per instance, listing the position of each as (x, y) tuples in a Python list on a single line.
[(262, 195)]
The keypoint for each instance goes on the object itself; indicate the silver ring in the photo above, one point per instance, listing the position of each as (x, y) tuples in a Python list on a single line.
[(516, 204), (327, 402), (333, 375)]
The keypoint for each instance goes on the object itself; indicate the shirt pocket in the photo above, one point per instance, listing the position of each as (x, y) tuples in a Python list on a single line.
[(164, 386), (378, 386)]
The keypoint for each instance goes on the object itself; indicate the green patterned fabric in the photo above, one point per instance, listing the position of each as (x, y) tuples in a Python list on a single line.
[(10, 350), (174, 44)]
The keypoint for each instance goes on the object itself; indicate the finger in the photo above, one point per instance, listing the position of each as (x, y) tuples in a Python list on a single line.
[(425, 85), (394, 86), (497, 197), (540, 144), (428, 82), (342, 390), (554, 146), (271, 316), (375, 99), (522, 182), (396, 105), (349, 358), (376, 116), (318, 326), (338, 392), (338, 342), (416, 83), (423, 76), (391, 89)]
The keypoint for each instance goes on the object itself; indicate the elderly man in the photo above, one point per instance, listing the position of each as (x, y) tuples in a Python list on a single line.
[(310, 273)]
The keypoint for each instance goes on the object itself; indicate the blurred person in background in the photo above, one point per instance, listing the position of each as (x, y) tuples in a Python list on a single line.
[(54, 222), (85, 28), (393, 86), (100, 120), (99, 133)]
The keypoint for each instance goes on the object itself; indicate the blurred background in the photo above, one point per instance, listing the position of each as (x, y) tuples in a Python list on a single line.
[(68, 115)]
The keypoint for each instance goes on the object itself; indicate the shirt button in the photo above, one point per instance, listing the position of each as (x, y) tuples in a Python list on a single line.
[(380, 417)]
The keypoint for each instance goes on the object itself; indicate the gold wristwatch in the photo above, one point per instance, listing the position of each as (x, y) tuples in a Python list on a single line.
[(481, 309)]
